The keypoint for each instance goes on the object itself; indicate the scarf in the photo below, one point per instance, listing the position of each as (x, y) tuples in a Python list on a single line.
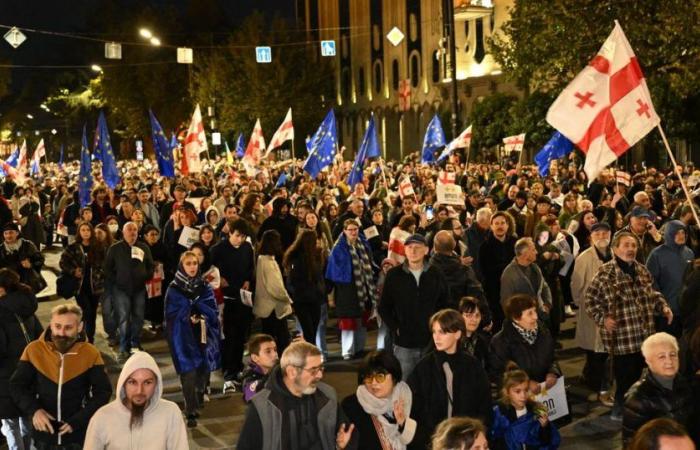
[(627, 268), (470, 343), (11, 248), (530, 336), (380, 408), (190, 286), (363, 275)]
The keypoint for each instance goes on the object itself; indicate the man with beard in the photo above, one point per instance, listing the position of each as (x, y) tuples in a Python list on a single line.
[(296, 410), (60, 382), (138, 417), (282, 221)]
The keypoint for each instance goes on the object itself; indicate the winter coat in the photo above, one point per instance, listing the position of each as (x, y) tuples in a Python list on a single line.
[(73, 258), (300, 288), (286, 226), (12, 260), (471, 393), (184, 340), (509, 432), (339, 271), (515, 280), (32, 225), (270, 294), (587, 332), (647, 399), (494, 257), (18, 327), (536, 359), (667, 264), (461, 281), (689, 305), (124, 272)]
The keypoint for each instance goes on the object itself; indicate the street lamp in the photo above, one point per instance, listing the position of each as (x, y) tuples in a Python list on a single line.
[(155, 41), (54, 131), (29, 116), (96, 68), (146, 33)]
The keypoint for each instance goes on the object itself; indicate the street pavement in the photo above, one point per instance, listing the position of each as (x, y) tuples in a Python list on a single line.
[(222, 418)]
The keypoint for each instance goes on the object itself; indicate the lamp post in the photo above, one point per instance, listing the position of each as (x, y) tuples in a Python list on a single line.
[(448, 14)]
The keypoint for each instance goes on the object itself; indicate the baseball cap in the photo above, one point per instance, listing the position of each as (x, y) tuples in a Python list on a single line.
[(415, 239), (640, 211)]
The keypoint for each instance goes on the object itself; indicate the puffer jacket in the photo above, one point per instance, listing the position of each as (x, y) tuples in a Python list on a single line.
[(73, 258), (647, 399)]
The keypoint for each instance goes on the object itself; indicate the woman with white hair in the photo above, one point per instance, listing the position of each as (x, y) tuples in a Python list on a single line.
[(661, 391)]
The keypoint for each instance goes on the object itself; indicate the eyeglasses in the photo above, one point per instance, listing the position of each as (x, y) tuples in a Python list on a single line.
[(378, 377), (313, 370)]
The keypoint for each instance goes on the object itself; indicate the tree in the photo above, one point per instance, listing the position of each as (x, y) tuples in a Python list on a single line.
[(243, 90), (490, 118), (543, 46)]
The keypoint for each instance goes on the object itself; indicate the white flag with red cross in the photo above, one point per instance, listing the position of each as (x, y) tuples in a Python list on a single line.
[(445, 177), (514, 143), (195, 143), (256, 146), (284, 133), (607, 108), (405, 187)]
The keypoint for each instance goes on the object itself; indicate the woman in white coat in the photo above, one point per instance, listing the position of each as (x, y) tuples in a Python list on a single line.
[(587, 331), (272, 302)]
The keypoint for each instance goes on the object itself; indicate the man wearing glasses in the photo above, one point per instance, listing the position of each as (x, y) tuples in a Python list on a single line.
[(296, 411)]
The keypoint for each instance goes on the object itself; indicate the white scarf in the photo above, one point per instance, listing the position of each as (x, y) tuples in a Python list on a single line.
[(380, 406)]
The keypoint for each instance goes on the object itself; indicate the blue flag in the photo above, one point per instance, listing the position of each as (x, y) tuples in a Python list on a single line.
[(282, 180), (322, 147), (557, 147), (173, 142), (85, 181), (240, 146), (11, 160), (104, 147), (60, 159), (434, 139), (161, 146), (368, 149)]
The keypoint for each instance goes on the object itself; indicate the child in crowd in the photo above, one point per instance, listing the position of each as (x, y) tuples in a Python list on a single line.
[(518, 421), (263, 357)]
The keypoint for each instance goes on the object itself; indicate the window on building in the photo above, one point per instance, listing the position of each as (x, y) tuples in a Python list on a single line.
[(415, 70), (395, 74), (480, 51), (378, 76), (376, 37), (361, 81), (345, 83), (413, 27), (436, 67)]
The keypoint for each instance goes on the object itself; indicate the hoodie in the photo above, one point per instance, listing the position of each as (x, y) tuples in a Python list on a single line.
[(667, 264), (162, 427)]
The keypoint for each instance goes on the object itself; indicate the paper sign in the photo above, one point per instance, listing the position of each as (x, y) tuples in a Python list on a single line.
[(555, 400), (371, 232), (449, 194), (247, 298), (188, 237), (137, 253)]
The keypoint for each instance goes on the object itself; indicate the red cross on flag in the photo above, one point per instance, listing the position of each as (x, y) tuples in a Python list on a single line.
[(22, 158), (195, 143), (514, 143), (404, 95), (406, 188), (446, 177), (464, 140), (284, 133), (256, 146), (607, 108)]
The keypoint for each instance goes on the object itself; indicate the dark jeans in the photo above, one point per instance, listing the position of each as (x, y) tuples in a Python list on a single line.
[(277, 328), (194, 384), (109, 321), (237, 320), (628, 369), (308, 315), (129, 309), (88, 303), (596, 371)]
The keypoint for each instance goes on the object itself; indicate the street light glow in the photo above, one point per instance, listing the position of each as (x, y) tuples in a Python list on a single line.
[(29, 116), (155, 41), (96, 68), (146, 33), (54, 131)]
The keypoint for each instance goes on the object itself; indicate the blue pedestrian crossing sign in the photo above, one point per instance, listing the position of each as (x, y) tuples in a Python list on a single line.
[(327, 48), (263, 54)]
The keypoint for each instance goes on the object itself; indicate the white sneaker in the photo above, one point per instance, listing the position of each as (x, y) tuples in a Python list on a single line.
[(568, 312), (229, 386)]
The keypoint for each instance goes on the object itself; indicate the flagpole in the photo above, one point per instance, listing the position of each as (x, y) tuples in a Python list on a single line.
[(293, 162), (679, 173)]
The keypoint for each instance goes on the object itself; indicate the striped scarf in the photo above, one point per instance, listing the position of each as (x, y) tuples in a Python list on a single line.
[(530, 336), (363, 275)]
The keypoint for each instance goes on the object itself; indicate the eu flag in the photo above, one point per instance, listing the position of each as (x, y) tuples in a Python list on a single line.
[(104, 147), (434, 139), (161, 146), (322, 147), (11, 161), (282, 180), (557, 147), (85, 180), (173, 142), (368, 149), (240, 146)]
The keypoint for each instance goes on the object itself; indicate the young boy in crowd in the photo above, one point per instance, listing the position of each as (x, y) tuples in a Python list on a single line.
[(263, 357)]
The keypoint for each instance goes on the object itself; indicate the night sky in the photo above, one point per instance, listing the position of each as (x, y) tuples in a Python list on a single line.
[(199, 20)]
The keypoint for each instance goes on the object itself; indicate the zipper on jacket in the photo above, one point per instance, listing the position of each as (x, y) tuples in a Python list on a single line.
[(58, 395)]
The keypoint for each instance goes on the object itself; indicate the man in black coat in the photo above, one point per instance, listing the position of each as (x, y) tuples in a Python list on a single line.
[(23, 257), (282, 221), (494, 255)]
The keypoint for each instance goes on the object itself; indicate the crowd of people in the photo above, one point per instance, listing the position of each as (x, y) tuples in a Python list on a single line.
[(247, 273)]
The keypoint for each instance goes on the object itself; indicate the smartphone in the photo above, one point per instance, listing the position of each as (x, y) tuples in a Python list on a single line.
[(429, 214)]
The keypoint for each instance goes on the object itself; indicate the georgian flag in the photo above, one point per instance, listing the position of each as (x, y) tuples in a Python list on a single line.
[(195, 143), (406, 188), (464, 140), (256, 146), (22, 160), (284, 133), (514, 143), (446, 177), (607, 108), (40, 151)]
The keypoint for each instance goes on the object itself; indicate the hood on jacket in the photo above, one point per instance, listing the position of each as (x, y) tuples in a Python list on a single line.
[(22, 303), (209, 209), (140, 360), (673, 227)]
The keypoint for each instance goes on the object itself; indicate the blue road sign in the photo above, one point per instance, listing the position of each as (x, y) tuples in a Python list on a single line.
[(263, 54), (327, 48)]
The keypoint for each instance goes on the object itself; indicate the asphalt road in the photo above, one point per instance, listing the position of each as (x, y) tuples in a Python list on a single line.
[(222, 418)]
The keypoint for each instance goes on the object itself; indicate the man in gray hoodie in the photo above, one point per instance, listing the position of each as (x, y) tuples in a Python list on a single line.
[(138, 418)]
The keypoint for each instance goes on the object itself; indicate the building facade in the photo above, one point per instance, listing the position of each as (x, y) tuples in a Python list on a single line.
[(404, 85)]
